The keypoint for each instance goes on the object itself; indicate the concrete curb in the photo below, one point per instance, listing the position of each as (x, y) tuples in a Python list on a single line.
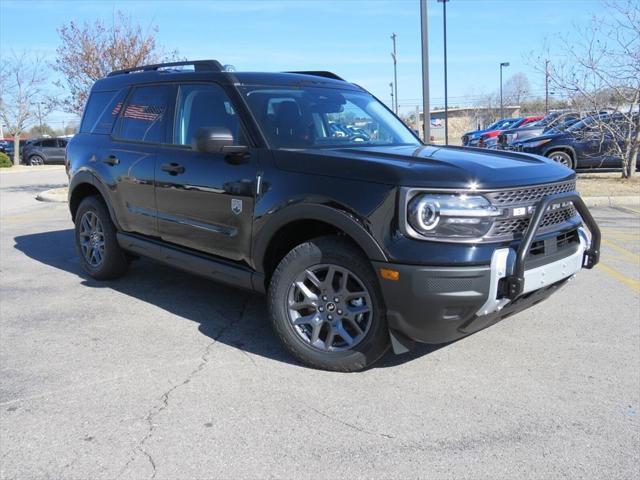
[(613, 201), (54, 195), (27, 169)]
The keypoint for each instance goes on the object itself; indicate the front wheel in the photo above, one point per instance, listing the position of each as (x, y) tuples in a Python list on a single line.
[(562, 158), (326, 306)]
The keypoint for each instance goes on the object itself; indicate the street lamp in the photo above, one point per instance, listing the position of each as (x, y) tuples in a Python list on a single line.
[(446, 103), (395, 71), (502, 65), (424, 37)]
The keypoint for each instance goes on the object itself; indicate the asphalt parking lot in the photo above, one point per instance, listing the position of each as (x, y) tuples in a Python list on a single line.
[(166, 375)]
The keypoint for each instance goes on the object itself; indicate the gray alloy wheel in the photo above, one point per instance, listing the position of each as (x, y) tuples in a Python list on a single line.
[(91, 239), (329, 308), (562, 158), (36, 160)]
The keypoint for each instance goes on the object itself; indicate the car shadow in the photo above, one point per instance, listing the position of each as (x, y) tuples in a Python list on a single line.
[(235, 317)]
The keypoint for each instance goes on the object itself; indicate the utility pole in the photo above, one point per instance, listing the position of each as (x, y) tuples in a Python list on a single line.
[(546, 87), (395, 71), (502, 65), (392, 104), (424, 33), (39, 117), (446, 102)]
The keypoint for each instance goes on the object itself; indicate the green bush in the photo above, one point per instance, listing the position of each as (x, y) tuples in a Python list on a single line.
[(5, 161)]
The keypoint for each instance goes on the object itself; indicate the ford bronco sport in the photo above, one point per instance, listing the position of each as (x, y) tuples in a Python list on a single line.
[(361, 242)]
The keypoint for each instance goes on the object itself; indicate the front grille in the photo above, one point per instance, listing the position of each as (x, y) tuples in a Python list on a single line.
[(529, 195), (515, 227)]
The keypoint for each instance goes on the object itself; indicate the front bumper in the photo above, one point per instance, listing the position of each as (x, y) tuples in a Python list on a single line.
[(443, 304)]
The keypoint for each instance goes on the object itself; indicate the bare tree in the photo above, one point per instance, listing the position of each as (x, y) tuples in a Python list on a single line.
[(601, 73), (21, 89), (516, 89), (89, 52)]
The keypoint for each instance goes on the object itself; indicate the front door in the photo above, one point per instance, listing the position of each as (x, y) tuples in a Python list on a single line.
[(204, 200)]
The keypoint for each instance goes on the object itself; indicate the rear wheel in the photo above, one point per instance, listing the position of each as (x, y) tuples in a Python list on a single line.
[(96, 241), (562, 158), (35, 160), (326, 306)]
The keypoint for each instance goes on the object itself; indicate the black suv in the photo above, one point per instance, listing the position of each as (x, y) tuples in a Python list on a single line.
[(358, 243), (44, 150)]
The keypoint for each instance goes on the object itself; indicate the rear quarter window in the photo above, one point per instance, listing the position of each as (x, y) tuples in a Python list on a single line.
[(101, 111)]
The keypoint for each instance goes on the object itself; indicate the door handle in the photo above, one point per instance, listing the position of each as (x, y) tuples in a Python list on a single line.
[(111, 160), (172, 168)]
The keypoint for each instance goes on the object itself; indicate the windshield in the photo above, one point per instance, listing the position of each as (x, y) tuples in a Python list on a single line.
[(314, 117), (581, 124)]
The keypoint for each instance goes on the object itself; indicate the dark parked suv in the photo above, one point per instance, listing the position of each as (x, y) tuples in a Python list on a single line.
[(358, 244), (44, 150)]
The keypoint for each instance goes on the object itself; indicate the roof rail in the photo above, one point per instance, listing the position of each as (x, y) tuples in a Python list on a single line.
[(320, 73), (198, 66)]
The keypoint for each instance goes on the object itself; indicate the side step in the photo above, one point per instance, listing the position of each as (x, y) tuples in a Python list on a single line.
[(218, 270)]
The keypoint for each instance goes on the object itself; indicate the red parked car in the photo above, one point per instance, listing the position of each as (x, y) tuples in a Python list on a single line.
[(488, 139)]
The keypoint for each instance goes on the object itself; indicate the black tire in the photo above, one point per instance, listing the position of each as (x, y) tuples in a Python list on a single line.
[(36, 160), (113, 263), (563, 158), (338, 252)]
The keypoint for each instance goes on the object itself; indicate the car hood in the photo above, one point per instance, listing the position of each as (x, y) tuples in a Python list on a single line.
[(523, 129), (475, 133), (548, 136), (426, 166)]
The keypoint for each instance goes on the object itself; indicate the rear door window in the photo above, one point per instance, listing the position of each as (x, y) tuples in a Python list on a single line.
[(52, 143), (143, 118)]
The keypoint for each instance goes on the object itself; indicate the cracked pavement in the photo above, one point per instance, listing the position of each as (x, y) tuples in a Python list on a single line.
[(168, 376)]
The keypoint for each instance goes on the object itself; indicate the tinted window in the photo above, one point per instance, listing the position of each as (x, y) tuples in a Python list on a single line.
[(62, 143), (200, 106), (101, 110), (49, 143), (143, 117)]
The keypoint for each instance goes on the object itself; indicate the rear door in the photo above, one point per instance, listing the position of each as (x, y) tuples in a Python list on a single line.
[(128, 164), (205, 200)]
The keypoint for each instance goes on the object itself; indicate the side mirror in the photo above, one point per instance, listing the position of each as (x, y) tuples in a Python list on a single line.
[(212, 139)]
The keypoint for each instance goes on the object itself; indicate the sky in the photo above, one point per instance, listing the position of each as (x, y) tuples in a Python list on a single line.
[(348, 37)]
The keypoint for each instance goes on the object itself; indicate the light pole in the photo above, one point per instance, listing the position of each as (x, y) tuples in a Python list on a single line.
[(446, 103), (424, 34), (502, 65), (395, 71)]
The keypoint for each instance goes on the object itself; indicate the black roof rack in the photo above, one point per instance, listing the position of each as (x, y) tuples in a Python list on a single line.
[(198, 66), (321, 74)]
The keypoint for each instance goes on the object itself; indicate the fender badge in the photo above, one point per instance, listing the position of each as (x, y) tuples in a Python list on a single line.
[(236, 206)]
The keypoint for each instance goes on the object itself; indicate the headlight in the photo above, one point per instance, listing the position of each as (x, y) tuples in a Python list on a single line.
[(536, 143), (450, 216)]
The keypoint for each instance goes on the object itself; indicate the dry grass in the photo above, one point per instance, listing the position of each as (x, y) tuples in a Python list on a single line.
[(607, 184)]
